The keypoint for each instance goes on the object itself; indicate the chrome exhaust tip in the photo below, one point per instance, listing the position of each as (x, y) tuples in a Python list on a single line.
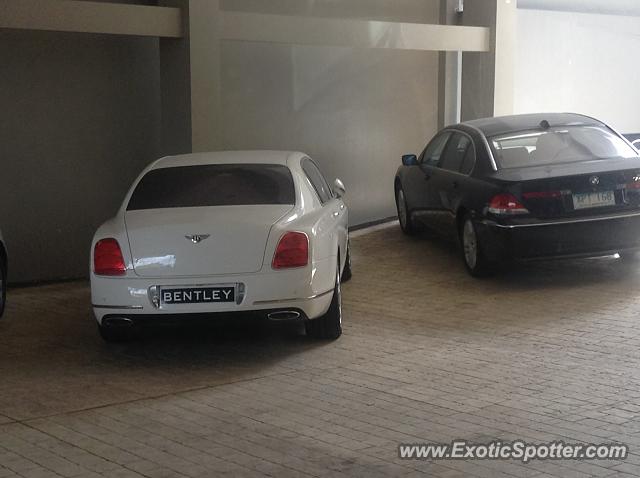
[(284, 315), (117, 322)]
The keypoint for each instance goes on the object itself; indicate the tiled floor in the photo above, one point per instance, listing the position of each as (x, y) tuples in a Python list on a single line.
[(550, 351)]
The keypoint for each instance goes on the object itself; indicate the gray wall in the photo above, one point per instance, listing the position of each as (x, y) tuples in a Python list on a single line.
[(80, 118), (354, 111)]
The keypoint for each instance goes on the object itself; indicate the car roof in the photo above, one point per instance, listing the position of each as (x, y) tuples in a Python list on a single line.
[(508, 124), (228, 157)]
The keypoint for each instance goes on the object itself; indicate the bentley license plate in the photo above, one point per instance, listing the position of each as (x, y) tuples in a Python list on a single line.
[(597, 199), (197, 295)]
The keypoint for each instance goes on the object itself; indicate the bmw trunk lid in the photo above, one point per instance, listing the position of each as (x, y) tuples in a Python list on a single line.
[(576, 189), (200, 241)]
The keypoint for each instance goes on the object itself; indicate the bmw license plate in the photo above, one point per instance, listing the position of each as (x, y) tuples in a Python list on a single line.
[(197, 295), (597, 199)]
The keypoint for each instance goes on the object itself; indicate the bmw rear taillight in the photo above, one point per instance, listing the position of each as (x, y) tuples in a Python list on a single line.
[(292, 251), (108, 259), (506, 204), (633, 185)]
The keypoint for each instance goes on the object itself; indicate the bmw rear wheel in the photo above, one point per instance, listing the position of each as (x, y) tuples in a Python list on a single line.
[(329, 326), (474, 259)]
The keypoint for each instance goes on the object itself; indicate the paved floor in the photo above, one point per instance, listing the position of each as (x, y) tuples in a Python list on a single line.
[(548, 352)]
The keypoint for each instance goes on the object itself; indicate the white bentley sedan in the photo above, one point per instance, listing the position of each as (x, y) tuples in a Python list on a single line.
[(255, 232)]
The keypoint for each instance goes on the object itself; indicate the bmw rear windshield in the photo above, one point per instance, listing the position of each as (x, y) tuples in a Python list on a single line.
[(213, 185), (559, 144)]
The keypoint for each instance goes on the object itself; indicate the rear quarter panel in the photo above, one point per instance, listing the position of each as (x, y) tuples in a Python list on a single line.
[(479, 187), (313, 218)]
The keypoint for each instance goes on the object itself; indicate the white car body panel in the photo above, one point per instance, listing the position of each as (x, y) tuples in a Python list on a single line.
[(239, 250), (159, 249)]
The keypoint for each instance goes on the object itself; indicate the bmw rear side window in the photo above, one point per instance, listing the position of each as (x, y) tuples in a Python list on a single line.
[(213, 185), (455, 152)]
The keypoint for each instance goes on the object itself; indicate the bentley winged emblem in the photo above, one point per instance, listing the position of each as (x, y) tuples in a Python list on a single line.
[(197, 238)]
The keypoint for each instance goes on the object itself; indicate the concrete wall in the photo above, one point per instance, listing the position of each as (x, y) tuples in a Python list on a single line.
[(354, 111), (80, 118), (579, 62)]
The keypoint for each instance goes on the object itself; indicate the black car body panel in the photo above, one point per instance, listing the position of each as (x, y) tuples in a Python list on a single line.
[(580, 238), (555, 224)]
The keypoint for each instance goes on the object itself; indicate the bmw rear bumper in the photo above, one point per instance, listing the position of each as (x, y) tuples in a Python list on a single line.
[(582, 237)]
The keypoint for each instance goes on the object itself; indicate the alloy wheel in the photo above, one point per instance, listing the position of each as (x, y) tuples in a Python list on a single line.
[(470, 244), (338, 291), (402, 209)]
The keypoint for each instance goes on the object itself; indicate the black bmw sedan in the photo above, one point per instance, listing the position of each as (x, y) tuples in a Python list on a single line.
[(525, 187)]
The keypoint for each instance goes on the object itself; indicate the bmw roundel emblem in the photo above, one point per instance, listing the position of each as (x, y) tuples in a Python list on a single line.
[(594, 180)]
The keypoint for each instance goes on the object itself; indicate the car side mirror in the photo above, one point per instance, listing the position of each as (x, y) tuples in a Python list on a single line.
[(410, 160), (338, 188)]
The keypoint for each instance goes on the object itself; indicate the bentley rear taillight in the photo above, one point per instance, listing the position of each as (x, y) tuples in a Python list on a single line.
[(506, 204), (108, 259), (292, 251)]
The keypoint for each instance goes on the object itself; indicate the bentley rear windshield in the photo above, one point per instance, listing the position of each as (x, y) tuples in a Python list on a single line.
[(213, 185), (560, 144)]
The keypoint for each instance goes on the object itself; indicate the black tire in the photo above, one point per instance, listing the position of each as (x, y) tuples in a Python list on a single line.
[(404, 213), (329, 326), (472, 249), (115, 334), (346, 271), (3, 283)]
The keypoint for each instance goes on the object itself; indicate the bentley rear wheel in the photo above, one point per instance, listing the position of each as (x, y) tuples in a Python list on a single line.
[(346, 271), (329, 326)]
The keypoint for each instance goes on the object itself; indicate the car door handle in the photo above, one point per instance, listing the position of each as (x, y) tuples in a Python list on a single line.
[(427, 177), (455, 185), (336, 213)]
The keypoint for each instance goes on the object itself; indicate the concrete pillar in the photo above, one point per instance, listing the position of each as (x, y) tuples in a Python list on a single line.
[(505, 52), (449, 71), (487, 78), (190, 80)]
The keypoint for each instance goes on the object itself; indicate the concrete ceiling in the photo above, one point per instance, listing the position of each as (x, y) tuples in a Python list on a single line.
[(610, 7)]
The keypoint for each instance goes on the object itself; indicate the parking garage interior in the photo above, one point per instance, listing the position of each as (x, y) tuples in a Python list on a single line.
[(94, 91)]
